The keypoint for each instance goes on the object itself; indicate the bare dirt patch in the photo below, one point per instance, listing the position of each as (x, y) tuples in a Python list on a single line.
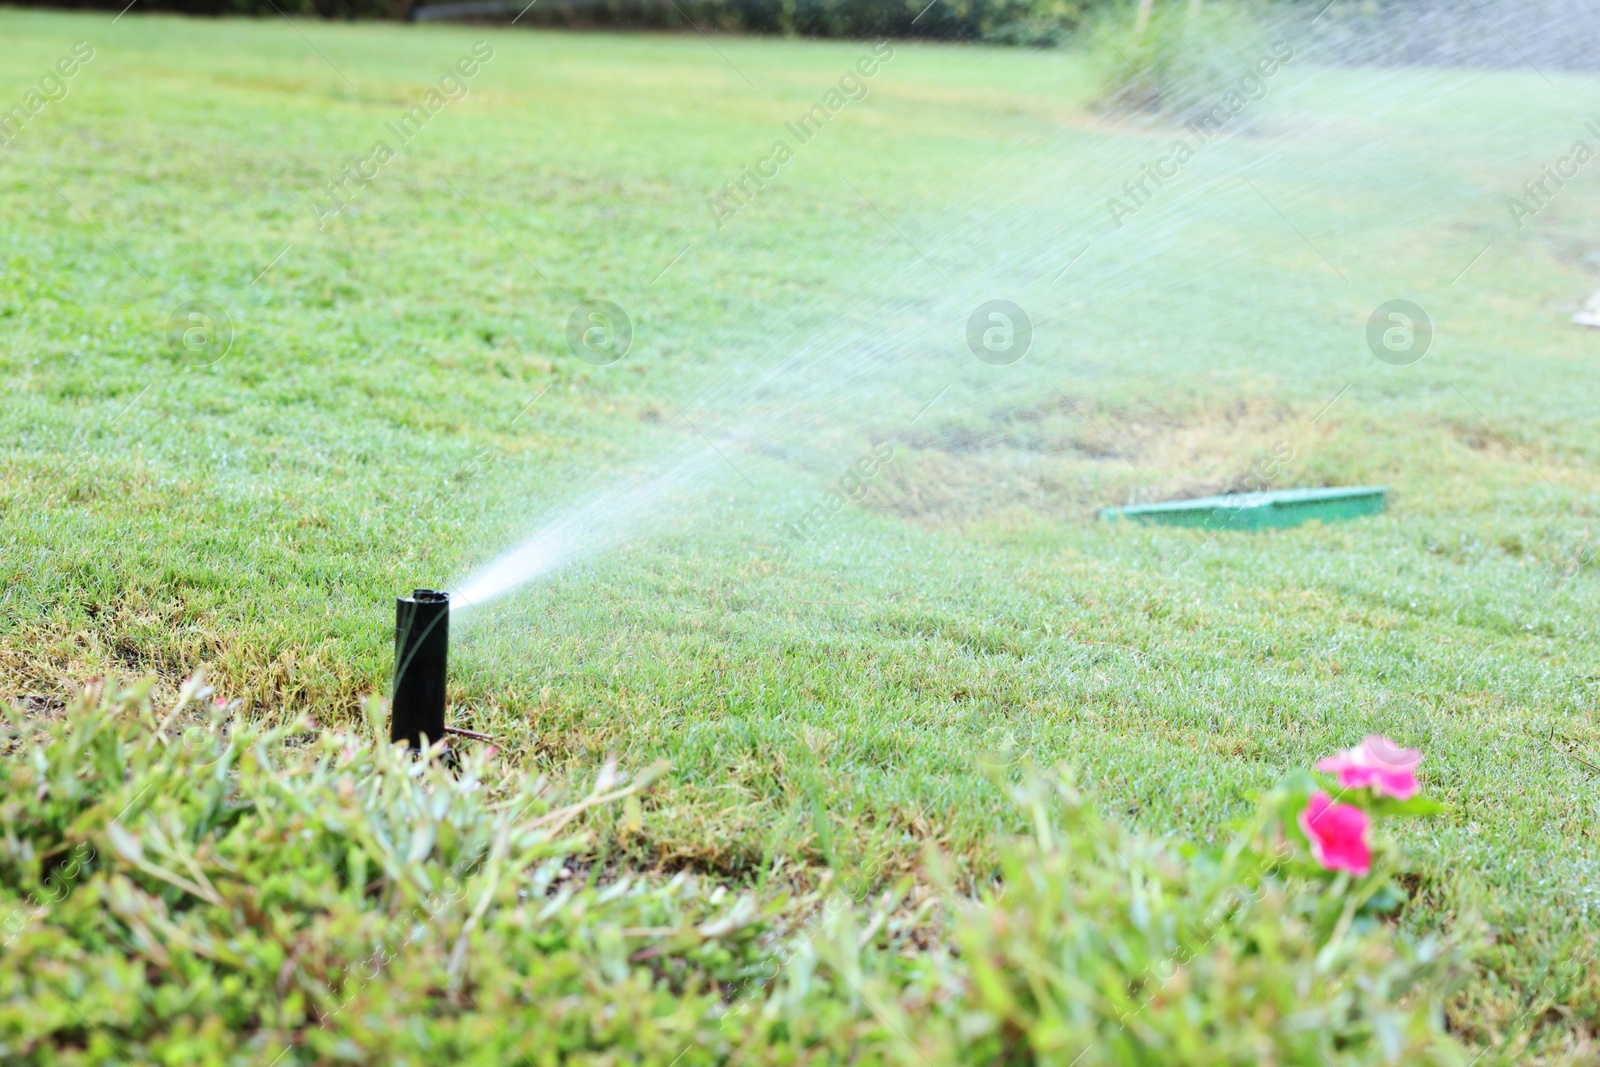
[(1068, 457)]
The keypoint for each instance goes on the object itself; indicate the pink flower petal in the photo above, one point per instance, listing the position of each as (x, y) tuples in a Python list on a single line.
[(1377, 764), (1338, 834)]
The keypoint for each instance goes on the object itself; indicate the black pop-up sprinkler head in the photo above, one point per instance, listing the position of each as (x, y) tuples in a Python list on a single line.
[(421, 651)]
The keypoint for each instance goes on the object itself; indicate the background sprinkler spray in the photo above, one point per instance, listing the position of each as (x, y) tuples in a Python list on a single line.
[(421, 654)]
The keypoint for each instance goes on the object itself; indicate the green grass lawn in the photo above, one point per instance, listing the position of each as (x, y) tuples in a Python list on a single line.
[(399, 405)]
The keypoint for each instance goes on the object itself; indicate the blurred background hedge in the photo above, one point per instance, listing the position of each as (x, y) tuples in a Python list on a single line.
[(1426, 32), (1027, 21)]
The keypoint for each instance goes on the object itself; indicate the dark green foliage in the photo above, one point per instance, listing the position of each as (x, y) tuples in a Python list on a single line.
[(1030, 22), (328, 9)]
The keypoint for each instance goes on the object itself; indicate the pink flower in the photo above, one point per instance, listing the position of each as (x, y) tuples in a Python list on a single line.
[(1338, 834), (1379, 763)]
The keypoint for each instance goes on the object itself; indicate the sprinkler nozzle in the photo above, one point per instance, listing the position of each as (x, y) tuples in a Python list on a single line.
[(421, 653)]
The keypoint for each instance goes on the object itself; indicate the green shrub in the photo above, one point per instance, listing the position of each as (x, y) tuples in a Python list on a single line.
[(1030, 22), (243, 892), (1178, 63), (1033, 22), (1107, 948), (328, 9), (1099, 947), (211, 892)]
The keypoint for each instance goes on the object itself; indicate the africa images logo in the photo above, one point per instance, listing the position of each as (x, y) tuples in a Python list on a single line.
[(852, 88), (1537, 190), (53, 88), (453, 87), (1209, 122)]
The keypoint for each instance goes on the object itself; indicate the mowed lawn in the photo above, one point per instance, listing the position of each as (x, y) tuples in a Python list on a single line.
[(399, 403)]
